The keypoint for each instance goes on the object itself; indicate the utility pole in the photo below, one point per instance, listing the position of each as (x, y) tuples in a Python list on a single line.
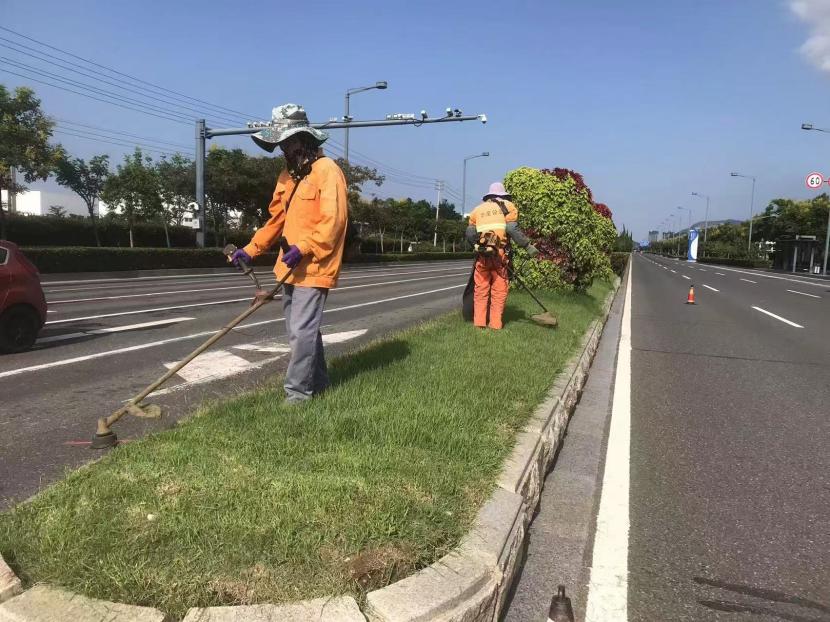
[(13, 193), (439, 186), (200, 182), (751, 209)]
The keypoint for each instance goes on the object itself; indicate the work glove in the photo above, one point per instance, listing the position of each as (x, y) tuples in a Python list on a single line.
[(292, 256), (532, 251), (238, 255)]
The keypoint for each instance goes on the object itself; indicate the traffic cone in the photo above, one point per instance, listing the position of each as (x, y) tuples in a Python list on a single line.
[(690, 299), (560, 607)]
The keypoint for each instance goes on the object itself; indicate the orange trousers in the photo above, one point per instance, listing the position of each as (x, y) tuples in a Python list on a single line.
[(490, 288)]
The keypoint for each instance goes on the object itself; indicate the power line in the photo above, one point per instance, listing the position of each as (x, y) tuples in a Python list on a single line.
[(111, 142), (126, 75), (94, 89), (143, 93), (110, 131), (148, 141), (120, 105)]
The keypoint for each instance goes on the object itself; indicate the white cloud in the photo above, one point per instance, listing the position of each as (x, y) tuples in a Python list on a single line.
[(816, 13)]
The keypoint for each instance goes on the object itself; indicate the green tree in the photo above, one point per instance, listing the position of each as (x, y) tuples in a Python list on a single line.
[(624, 242), (57, 211), (85, 180), (175, 178), (134, 191), (24, 142)]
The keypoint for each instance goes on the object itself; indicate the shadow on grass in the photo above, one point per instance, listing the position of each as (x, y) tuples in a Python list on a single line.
[(374, 357)]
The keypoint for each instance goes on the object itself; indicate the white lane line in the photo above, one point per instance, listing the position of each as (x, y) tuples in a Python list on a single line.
[(674, 271), (748, 281), (113, 329), (813, 282), (608, 586), (720, 273), (143, 346), (712, 288), (139, 311), (702, 270), (686, 277), (803, 293), (211, 276), (777, 317), (222, 302), (265, 278)]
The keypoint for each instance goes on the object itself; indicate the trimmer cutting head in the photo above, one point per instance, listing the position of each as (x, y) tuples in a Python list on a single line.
[(545, 319)]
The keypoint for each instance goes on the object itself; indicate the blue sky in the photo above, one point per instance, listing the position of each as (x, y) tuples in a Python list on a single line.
[(649, 100)]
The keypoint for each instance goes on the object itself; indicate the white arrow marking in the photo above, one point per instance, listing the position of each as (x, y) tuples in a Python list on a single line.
[(211, 365)]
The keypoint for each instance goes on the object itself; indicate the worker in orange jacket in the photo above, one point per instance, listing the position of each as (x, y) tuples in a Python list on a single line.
[(309, 209), (492, 225)]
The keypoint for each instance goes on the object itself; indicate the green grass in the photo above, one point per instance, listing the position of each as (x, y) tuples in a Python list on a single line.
[(252, 502)]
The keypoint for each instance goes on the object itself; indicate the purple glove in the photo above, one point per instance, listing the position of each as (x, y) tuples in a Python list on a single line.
[(292, 256), (238, 255)]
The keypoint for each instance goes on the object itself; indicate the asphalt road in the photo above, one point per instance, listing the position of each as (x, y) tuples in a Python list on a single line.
[(712, 497), (105, 339)]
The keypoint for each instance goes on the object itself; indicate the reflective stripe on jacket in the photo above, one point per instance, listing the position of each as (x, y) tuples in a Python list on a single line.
[(316, 223)]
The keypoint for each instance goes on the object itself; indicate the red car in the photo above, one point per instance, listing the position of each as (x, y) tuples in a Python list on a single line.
[(22, 303)]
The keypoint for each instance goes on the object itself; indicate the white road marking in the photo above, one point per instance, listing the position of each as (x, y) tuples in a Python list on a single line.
[(224, 364), (674, 271), (169, 293), (814, 283), (220, 302), (209, 275), (777, 317), (113, 329), (803, 293), (608, 586), (686, 277), (712, 288), (720, 273), (702, 270), (263, 346), (139, 311), (343, 336), (153, 344), (210, 366), (748, 281)]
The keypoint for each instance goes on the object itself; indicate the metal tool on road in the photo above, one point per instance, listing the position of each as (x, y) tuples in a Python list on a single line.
[(105, 437), (543, 319)]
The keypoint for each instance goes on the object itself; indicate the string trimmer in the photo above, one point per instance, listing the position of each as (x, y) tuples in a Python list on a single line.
[(105, 437), (546, 318)]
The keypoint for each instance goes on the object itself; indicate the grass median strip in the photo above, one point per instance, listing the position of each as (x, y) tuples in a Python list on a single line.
[(251, 502)]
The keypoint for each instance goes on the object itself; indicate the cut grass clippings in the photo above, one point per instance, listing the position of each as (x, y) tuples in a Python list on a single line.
[(252, 502)]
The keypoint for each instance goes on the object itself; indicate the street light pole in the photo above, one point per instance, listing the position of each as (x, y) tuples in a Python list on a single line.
[(346, 118), (483, 154), (809, 126), (439, 186), (751, 210), (680, 224), (706, 218)]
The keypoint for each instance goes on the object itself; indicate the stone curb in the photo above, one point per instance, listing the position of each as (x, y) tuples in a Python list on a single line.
[(470, 584), (9, 583)]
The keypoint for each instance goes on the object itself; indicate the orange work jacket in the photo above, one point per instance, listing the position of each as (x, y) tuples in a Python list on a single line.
[(488, 216), (315, 222)]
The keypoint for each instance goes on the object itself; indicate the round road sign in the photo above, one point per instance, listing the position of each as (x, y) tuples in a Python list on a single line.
[(814, 180)]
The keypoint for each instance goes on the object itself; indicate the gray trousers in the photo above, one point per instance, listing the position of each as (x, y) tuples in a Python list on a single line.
[(303, 309)]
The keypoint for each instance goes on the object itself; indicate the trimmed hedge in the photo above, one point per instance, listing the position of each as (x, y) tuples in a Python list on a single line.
[(63, 232), (618, 262), (92, 259)]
